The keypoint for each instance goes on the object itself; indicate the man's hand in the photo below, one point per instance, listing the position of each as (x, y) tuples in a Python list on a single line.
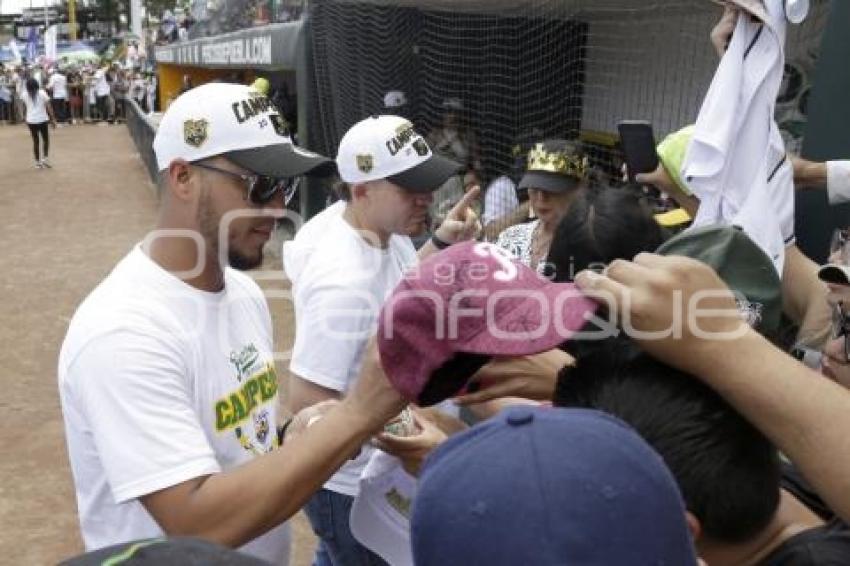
[(412, 450), (721, 34), (677, 308), (373, 398), (835, 363), (661, 180), (529, 377), (658, 178), (838, 295), (461, 222)]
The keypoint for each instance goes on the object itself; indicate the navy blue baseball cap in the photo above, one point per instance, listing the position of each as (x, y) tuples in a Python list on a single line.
[(549, 487)]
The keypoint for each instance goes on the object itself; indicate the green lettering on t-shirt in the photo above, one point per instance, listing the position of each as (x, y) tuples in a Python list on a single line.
[(223, 415)]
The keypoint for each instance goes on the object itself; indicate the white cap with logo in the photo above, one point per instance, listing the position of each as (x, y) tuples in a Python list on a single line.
[(237, 122), (380, 514), (387, 147)]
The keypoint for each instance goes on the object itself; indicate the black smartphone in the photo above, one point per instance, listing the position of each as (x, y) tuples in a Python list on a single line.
[(638, 144)]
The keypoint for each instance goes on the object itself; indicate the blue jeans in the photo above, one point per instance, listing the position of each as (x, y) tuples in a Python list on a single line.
[(328, 512)]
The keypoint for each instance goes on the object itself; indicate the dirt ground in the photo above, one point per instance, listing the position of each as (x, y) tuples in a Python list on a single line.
[(61, 232)]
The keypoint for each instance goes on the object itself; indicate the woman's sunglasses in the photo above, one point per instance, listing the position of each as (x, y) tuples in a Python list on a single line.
[(261, 188)]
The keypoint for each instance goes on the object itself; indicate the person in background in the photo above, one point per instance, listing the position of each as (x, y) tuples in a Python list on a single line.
[(132, 60), (138, 90), (454, 139), (120, 90), (395, 102), (151, 93), (75, 96), (102, 90), (38, 113), (90, 97), (186, 84), (19, 80), (57, 84), (504, 205), (5, 98), (556, 173)]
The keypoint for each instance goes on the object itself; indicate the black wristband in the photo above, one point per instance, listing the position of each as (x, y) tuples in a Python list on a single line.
[(438, 243)]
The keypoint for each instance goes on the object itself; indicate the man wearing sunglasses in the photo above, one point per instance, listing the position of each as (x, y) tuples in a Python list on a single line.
[(166, 376), (342, 264)]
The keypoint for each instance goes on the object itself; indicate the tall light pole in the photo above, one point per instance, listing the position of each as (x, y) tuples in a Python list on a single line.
[(136, 18), (72, 19)]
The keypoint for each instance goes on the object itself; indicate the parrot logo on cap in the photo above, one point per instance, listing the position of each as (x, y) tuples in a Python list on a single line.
[(195, 132), (365, 163)]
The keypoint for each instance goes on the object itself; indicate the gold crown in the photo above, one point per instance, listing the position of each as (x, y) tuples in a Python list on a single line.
[(556, 162)]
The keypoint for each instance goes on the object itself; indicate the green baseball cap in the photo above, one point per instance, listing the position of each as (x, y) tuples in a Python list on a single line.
[(671, 152), (742, 265)]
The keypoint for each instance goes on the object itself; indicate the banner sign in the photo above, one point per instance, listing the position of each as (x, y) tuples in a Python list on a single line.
[(269, 46)]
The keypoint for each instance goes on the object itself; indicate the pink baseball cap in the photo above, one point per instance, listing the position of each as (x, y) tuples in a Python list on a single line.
[(458, 309)]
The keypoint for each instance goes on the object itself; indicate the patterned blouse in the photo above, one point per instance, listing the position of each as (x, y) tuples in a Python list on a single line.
[(516, 240)]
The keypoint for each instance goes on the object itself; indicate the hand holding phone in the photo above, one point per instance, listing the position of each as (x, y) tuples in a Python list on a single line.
[(638, 144)]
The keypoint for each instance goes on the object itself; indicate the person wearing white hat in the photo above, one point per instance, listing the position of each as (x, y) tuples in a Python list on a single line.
[(342, 265), (167, 377), (395, 101)]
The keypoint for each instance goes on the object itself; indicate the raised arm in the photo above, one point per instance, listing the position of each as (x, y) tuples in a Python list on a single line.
[(804, 414)]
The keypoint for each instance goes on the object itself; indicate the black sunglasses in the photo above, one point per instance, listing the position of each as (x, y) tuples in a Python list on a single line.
[(261, 188)]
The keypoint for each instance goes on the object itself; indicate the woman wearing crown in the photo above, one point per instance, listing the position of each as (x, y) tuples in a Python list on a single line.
[(555, 174)]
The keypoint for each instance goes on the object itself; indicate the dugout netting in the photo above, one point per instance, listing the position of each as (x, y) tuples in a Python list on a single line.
[(560, 68)]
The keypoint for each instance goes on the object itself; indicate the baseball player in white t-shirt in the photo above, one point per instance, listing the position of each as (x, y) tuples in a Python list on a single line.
[(167, 376)]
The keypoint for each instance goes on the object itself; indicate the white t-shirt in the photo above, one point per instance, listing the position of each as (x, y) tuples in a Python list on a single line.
[(161, 383), (339, 283), (132, 56), (736, 162), (101, 85), (499, 199), (59, 84), (36, 108)]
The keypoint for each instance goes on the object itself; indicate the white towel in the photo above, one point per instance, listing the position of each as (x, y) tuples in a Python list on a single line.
[(736, 162)]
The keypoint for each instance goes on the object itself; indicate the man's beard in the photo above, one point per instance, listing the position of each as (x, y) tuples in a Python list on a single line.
[(242, 262), (210, 226)]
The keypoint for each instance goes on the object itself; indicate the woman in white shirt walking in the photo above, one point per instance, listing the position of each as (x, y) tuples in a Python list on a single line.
[(38, 111)]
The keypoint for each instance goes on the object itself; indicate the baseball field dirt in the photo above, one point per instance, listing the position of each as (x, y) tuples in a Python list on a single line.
[(62, 231)]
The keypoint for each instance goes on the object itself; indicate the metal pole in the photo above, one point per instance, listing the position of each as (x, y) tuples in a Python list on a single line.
[(72, 19), (136, 17)]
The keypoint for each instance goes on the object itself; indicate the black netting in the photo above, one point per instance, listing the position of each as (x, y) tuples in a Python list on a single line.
[(558, 68)]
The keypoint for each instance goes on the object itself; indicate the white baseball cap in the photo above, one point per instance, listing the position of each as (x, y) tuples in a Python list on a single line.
[(380, 514), (237, 122), (387, 147)]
